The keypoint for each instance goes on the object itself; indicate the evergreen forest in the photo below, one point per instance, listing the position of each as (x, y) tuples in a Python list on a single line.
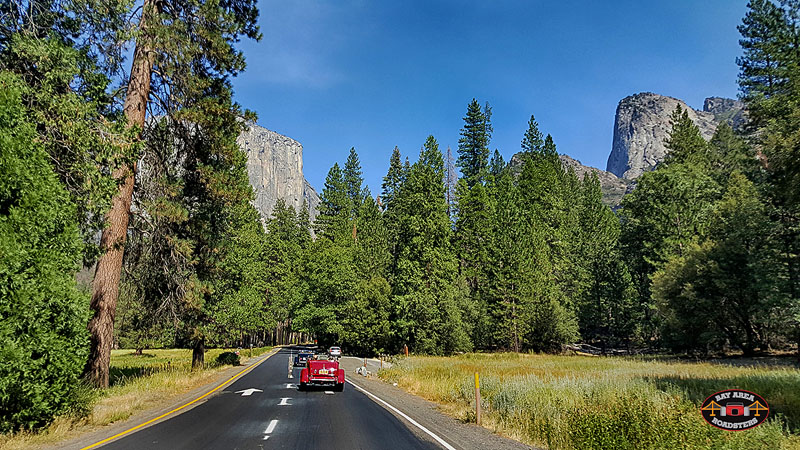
[(118, 152)]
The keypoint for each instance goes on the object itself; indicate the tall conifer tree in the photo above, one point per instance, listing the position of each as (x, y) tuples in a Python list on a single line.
[(473, 146)]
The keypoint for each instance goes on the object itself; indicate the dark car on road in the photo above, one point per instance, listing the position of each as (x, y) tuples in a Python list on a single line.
[(302, 356)]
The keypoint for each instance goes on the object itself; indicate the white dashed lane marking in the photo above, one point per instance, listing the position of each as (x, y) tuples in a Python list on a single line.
[(284, 401), (270, 428)]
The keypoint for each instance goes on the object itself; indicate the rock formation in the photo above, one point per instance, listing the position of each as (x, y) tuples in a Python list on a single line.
[(275, 169), (612, 186), (642, 124)]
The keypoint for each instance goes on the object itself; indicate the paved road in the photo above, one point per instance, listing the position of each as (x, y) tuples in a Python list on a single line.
[(279, 417)]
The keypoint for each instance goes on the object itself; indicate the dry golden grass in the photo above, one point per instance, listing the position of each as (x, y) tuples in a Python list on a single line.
[(139, 383), (565, 402)]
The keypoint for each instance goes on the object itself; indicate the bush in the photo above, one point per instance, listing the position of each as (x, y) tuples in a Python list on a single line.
[(43, 316), (231, 358)]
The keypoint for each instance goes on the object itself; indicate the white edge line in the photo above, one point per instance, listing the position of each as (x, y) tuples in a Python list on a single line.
[(401, 414)]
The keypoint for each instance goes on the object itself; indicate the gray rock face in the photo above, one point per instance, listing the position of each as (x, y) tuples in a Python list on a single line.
[(612, 186), (642, 124), (275, 169)]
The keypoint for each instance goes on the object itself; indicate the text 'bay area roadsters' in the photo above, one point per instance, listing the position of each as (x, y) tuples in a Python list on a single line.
[(320, 372)]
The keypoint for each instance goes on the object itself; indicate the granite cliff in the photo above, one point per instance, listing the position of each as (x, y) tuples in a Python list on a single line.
[(275, 169), (642, 123)]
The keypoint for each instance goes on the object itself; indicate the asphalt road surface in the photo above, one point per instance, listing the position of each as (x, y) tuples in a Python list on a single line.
[(280, 417)]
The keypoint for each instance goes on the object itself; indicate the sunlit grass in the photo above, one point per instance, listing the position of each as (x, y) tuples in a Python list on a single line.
[(565, 402), (139, 382)]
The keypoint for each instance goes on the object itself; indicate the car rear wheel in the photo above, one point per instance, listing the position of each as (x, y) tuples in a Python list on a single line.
[(339, 387), (301, 387)]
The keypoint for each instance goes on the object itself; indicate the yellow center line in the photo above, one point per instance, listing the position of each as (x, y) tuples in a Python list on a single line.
[(225, 383)]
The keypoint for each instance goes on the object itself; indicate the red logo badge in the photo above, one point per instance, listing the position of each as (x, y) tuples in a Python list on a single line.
[(735, 409)]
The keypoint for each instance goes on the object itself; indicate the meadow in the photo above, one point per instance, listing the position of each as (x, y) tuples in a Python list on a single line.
[(138, 383), (582, 402)]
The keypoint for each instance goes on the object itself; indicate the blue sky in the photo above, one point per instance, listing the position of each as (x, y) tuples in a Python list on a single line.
[(378, 74)]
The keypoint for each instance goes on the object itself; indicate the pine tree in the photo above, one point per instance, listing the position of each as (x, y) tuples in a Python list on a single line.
[(685, 144), (392, 180), (66, 53), (497, 164), (731, 153), (333, 220), (549, 148), (769, 64), (473, 146), (546, 197), (304, 225), (353, 179), (475, 208), (192, 81), (768, 79), (514, 255), (428, 306), (532, 142), (606, 308)]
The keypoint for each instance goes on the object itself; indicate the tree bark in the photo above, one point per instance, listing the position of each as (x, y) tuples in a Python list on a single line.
[(105, 288), (199, 353)]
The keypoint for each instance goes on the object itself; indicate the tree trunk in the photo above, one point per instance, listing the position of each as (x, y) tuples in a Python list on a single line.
[(105, 288), (199, 353)]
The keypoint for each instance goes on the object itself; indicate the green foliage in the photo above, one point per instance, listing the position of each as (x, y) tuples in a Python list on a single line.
[(532, 142), (473, 146), (335, 210), (42, 313), (606, 307), (353, 181), (75, 119), (393, 179), (770, 83), (724, 288), (685, 144), (227, 358), (428, 304), (666, 213)]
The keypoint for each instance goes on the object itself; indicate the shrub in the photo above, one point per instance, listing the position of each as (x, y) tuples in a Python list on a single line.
[(42, 314), (231, 358)]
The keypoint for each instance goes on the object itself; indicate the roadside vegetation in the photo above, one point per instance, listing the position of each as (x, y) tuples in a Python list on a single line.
[(138, 383), (461, 251), (566, 402)]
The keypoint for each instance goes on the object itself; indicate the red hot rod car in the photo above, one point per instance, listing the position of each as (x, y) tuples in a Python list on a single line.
[(319, 372)]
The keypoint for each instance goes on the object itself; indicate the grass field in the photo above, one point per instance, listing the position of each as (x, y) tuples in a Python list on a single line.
[(138, 382), (566, 402)]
